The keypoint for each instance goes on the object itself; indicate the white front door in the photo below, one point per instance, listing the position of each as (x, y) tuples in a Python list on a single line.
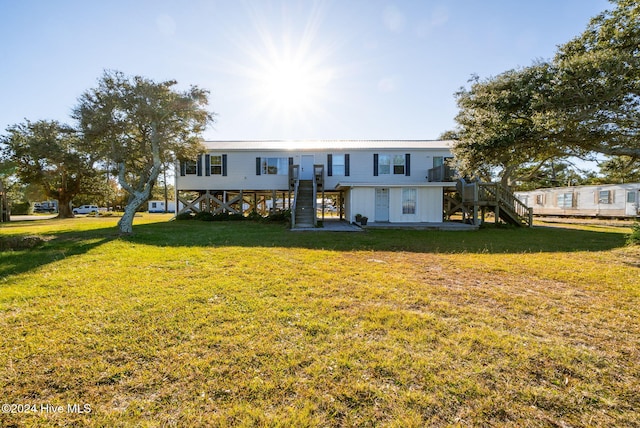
[(382, 204), (306, 167)]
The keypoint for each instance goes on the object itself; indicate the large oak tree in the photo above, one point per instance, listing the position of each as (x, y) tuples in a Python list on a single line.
[(52, 156), (137, 125), (584, 102)]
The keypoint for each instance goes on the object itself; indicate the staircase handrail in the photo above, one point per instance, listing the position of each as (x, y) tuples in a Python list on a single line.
[(315, 203), (296, 184), (517, 207), (485, 192)]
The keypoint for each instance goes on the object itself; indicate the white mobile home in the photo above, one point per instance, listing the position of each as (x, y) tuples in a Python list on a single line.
[(606, 200), (159, 206), (386, 181)]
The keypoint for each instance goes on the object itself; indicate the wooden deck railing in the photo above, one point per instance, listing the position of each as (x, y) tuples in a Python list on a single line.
[(442, 173), (479, 194)]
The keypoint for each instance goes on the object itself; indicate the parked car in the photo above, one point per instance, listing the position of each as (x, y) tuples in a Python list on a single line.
[(86, 209)]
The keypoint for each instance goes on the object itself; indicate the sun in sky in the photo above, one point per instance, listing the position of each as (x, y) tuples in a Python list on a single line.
[(287, 67)]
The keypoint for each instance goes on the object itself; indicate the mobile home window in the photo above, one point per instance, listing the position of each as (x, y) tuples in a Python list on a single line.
[(275, 166), (604, 197), (539, 199), (631, 196), (409, 197), (190, 167), (565, 200)]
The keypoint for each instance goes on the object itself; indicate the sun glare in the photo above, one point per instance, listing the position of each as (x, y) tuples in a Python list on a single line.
[(288, 71), (292, 87)]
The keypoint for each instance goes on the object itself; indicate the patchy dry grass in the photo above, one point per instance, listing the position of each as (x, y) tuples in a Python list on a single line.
[(200, 324)]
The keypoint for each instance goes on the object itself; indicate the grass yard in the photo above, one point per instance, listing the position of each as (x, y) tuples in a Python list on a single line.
[(246, 324)]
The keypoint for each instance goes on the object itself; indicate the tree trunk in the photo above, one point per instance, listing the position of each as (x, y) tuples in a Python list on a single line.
[(126, 222), (64, 208)]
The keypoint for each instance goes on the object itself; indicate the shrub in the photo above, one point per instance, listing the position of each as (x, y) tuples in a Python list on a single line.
[(255, 216), (634, 237), (204, 216), (279, 216), (184, 216), (22, 208)]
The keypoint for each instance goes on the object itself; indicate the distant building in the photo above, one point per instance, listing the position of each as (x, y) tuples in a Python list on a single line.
[(604, 200)]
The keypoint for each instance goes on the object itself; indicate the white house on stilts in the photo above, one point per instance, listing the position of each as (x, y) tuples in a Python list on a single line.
[(386, 181)]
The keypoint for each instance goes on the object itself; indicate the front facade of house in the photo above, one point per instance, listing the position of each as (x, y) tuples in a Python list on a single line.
[(386, 181)]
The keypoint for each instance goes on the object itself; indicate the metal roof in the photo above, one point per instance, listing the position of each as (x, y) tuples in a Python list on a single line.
[(328, 144)]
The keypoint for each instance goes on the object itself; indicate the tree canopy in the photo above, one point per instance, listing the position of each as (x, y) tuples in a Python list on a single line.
[(136, 125), (584, 101), (52, 156)]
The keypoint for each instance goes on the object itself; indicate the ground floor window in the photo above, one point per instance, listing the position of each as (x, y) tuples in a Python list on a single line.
[(409, 197)]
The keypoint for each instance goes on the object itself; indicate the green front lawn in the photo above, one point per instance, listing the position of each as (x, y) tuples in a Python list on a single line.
[(246, 324)]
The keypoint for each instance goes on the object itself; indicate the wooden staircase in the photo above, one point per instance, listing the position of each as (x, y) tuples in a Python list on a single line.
[(305, 213), (304, 208), (476, 198)]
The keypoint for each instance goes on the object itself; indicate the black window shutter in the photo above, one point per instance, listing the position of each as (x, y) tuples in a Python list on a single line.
[(224, 165), (183, 168), (346, 165), (257, 166), (375, 164), (199, 166), (407, 164), (329, 165), (207, 165)]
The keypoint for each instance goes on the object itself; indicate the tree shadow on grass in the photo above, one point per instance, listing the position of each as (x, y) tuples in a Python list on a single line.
[(65, 244), (40, 250), (491, 240)]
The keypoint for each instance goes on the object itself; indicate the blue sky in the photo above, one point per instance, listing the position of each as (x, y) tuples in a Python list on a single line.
[(344, 69)]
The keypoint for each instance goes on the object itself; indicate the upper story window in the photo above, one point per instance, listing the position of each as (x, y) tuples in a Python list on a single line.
[(338, 164), (190, 167), (275, 166), (398, 164), (384, 164), (216, 165), (391, 164)]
